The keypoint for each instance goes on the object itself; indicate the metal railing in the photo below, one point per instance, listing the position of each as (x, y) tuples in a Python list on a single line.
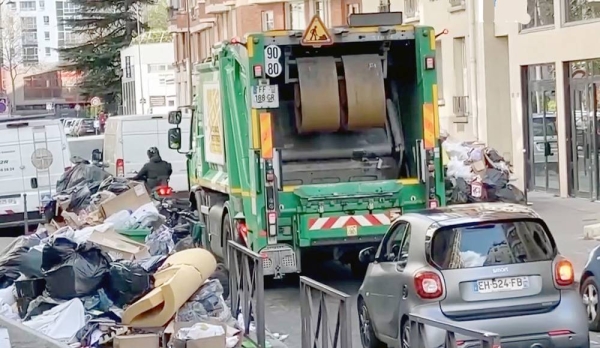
[(456, 3), (460, 105), (246, 283), (321, 336), (418, 338), (411, 8)]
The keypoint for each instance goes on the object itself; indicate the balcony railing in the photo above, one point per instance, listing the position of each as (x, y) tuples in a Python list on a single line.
[(411, 8), (457, 3), (460, 106)]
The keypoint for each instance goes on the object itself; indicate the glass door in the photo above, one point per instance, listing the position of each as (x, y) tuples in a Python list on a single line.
[(543, 137), (585, 135)]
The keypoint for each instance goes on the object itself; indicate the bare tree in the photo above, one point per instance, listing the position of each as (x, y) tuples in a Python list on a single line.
[(11, 41)]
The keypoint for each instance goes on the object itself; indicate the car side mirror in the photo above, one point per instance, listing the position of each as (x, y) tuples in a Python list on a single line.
[(175, 117), (97, 155), (367, 255), (174, 138)]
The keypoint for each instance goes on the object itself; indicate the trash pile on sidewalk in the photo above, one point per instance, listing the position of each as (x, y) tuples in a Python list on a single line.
[(81, 280), (477, 173)]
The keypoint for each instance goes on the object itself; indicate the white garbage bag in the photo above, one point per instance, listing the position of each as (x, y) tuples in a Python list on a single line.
[(61, 322), (458, 169)]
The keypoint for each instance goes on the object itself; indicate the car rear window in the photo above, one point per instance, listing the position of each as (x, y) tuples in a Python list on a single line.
[(491, 244)]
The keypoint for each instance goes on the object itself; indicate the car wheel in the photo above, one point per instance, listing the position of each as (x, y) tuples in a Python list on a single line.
[(589, 295), (367, 334), (405, 334)]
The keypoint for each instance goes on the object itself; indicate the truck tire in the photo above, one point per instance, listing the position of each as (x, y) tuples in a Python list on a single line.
[(226, 235)]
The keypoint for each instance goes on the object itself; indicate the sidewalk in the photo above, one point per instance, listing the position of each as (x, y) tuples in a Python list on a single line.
[(566, 218)]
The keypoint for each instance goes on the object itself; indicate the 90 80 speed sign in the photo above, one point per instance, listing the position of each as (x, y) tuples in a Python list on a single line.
[(273, 67)]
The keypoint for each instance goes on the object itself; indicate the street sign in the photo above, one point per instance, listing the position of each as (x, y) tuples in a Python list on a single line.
[(3, 105), (316, 34), (96, 101)]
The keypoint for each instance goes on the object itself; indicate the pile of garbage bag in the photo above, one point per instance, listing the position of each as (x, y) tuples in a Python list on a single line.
[(106, 269), (477, 173)]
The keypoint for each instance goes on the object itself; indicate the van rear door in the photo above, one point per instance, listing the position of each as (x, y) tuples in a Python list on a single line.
[(138, 136), (11, 179)]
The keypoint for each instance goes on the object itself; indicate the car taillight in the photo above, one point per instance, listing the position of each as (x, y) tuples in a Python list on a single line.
[(120, 167), (563, 273), (164, 191), (428, 285)]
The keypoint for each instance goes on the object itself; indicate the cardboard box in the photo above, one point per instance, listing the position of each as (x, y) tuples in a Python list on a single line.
[(136, 341), (129, 200), (118, 246), (208, 342)]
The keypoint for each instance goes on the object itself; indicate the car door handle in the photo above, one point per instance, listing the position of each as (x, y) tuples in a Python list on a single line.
[(404, 292)]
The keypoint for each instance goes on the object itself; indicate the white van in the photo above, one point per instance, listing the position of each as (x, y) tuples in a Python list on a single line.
[(128, 138), (34, 153)]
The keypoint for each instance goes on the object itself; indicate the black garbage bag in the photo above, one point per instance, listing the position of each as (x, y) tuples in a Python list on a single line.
[(128, 281), (82, 172), (80, 198), (14, 258), (510, 194), (116, 185), (494, 178), (71, 270), (460, 192), (50, 211)]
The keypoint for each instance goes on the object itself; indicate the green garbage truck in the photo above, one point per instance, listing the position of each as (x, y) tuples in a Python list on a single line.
[(306, 145)]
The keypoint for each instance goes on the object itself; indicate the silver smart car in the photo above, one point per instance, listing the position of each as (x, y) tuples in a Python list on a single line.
[(489, 266)]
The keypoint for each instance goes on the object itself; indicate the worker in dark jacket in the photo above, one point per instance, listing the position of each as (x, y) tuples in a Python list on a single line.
[(156, 172)]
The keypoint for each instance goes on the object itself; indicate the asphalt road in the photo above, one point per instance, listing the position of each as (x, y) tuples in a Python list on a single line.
[(566, 218), (83, 146)]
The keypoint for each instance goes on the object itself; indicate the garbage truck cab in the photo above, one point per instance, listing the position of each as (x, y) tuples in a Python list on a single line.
[(309, 143)]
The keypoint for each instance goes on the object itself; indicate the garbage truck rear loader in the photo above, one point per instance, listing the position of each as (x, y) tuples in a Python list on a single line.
[(306, 145)]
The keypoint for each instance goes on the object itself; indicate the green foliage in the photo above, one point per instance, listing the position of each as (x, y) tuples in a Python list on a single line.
[(104, 27), (158, 18)]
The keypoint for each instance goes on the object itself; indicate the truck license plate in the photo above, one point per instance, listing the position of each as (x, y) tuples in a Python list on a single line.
[(501, 284), (265, 97)]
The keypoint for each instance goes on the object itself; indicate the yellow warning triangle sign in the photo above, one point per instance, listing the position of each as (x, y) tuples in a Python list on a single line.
[(316, 34)]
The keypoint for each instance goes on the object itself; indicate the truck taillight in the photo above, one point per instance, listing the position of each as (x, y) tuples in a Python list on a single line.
[(120, 167), (164, 191), (563, 273), (428, 285), (433, 203), (272, 217)]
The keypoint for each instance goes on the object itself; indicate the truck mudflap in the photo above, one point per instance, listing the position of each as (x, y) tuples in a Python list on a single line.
[(279, 259)]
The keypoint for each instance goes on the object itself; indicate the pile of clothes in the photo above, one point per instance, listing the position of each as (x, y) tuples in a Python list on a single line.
[(85, 280), (477, 173)]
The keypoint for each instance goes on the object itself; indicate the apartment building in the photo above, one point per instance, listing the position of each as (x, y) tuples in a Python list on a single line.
[(148, 78), (213, 21), (521, 76)]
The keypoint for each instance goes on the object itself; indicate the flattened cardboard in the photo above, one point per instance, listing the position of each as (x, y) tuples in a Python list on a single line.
[(136, 341), (118, 246), (129, 200)]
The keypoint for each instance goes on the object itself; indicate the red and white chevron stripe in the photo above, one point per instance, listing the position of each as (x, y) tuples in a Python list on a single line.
[(328, 223)]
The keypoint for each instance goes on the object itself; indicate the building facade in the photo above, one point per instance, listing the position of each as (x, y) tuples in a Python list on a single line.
[(213, 21), (148, 82)]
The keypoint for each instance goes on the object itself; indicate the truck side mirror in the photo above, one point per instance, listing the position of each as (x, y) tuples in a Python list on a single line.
[(174, 138), (175, 117), (96, 155)]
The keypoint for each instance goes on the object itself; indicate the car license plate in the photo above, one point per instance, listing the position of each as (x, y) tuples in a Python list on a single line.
[(265, 97), (501, 284), (8, 201)]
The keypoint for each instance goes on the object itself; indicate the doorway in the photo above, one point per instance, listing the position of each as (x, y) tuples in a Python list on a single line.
[(543, 136), (586, 137)]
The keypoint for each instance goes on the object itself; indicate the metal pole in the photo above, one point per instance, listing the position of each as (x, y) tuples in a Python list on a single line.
[(25, 216), (139, 49), (189, 51)]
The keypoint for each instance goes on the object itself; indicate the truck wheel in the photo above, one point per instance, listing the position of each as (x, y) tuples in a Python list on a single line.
[(226, 236)]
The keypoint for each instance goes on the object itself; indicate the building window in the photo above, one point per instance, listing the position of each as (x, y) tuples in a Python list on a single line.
[(28, 23), (411, 8), (30, 54), (12, 6), (541, 13), (47, 35), (128, 67), (268, 20), (48, 52), (581, 10), (30, 38), (353, 8), (321, 11), (155, 68), (296, 18), (46, 20), (41, 4), (27, 6), (439, 69)]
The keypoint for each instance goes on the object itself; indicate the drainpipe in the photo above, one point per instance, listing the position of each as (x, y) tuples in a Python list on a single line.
[(472, 66)]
